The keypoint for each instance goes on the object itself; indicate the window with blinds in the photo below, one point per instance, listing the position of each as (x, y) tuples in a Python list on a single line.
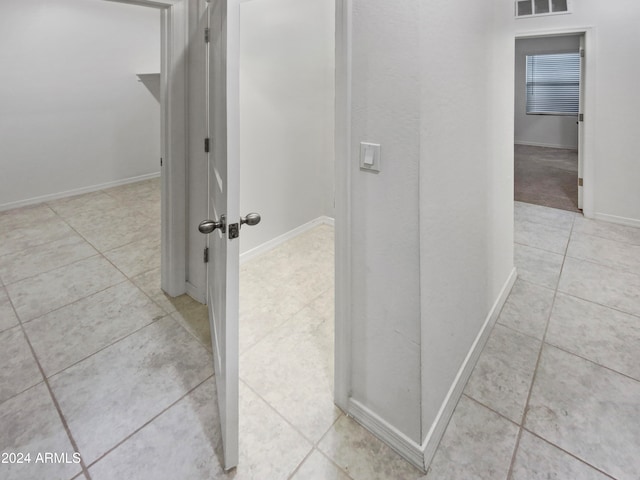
[(553, 84)]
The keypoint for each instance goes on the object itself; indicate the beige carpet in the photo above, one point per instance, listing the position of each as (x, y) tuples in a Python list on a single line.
[(546, 176)]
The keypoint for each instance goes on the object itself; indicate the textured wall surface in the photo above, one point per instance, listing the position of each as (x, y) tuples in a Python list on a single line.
[(466, 184), (433, 231), (385, 223)]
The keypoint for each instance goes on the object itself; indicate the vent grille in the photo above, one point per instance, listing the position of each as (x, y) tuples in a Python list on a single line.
[(530, 8)]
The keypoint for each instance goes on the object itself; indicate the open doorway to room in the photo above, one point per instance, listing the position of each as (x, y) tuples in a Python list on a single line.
[(81, 136), (548, 133), (287, 95), (269, 149)]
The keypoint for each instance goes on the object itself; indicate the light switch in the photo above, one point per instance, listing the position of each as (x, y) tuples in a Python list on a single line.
[(370, 156)]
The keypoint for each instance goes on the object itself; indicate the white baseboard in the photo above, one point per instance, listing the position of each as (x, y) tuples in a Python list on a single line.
[(441, 421), (273, 243), (398, 441), (630, 222), (547, 145), (421, 455), (76, 191)]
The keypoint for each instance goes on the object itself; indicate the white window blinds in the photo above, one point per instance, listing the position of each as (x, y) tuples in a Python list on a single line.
[(553, 84)]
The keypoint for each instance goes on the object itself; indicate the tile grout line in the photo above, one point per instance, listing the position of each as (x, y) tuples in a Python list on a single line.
[(501, 415), (333, 462), (342, 414), (272, 408), (535, 371), (84, 468), (22, 253), (302, 462), (99, 250), (54, 400), (539, 249), (288, 319), (127, 277), (107, 346), (545, 342), (96, 254), (568, 352), (522, 429), (72, 303), (615, 309), (515, 330), (568, 453), (88, 356), (602, 237), (321, 453), (605, 265), (610, 266), (529, 282), (208, 348), (314, 445), (137, 430), (99, 253)]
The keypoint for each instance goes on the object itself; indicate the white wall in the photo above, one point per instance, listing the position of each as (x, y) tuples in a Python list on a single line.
[(466, 186), (286, 114), (432, 233), (613, 170), (560, 131), (73, 114), (385, 310)]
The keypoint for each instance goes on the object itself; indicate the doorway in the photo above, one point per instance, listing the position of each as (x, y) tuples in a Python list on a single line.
[(548, 132), (276, 148), (287, 274)]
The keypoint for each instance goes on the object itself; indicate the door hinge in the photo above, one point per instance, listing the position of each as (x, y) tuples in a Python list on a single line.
[(206, 35), (161, 162), (581, 117), (580, 182), (582, 52), (206, 145), (206, 255)]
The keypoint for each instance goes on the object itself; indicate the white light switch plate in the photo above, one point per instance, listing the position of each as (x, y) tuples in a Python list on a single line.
[(370, 156)]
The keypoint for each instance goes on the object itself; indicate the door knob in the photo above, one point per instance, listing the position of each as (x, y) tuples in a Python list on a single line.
[(251, 219), (208, 226)]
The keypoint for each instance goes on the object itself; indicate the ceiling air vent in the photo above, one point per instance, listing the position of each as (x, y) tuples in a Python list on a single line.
[(530, 8)]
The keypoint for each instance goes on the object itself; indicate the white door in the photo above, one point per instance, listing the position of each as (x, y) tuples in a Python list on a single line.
[(223, 226), (581, 124)]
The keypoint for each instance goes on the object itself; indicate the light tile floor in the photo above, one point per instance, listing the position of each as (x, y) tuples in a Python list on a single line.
[(96, 359)]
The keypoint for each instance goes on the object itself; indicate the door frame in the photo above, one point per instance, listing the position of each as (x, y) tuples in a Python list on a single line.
[(343, 279), (587, 149), (174, 129)]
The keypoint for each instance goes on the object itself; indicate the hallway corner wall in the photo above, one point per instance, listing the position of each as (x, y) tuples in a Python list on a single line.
[(432, 233), (385, 223)]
